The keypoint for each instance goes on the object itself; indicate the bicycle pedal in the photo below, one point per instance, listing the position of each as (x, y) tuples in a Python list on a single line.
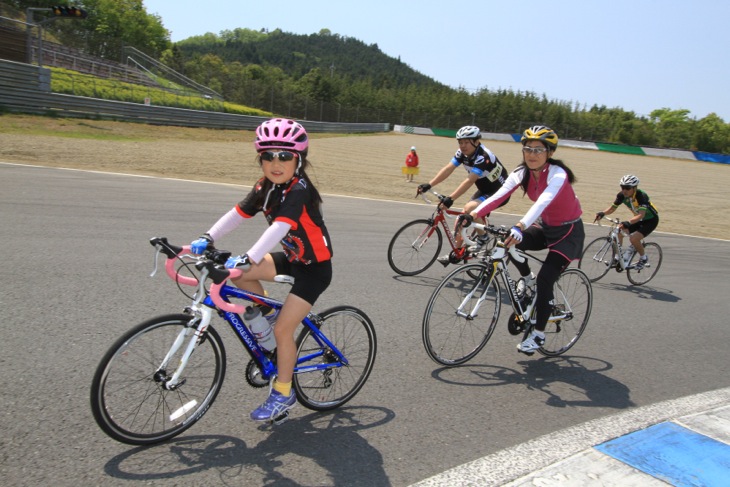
[(529, 354), (282, 418)]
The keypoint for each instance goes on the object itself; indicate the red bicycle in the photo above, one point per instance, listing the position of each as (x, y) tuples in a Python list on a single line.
[(417, 244)]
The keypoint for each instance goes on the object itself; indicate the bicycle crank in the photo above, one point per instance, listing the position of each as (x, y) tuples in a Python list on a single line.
[(456, 256), (515, 326), (254, 376)]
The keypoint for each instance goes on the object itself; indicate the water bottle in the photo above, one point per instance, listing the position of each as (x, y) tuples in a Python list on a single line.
[(628, 253), (260, 327)]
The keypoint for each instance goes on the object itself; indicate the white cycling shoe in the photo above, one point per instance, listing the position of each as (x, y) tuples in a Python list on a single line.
[(532, 343)]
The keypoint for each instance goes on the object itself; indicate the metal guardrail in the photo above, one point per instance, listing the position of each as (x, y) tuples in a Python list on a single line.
[(25, 88)]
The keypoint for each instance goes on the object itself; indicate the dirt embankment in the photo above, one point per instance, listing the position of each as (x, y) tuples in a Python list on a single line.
[(691, 196)]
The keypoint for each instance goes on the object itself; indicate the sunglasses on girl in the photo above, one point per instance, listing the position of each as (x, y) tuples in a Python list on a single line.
[(283, 156), (534, 150), (626, 187)]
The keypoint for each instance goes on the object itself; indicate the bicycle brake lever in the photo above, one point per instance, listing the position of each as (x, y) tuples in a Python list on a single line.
[(154, 270)]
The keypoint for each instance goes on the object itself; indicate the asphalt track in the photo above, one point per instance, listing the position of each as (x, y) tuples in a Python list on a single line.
[(76, 276)]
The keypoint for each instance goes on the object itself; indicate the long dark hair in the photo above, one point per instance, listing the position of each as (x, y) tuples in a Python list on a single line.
[(557, 162), (300, 173)]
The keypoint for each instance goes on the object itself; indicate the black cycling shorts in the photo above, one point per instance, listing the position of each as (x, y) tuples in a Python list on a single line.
[(310, 281), (566, 240), (644, 227)]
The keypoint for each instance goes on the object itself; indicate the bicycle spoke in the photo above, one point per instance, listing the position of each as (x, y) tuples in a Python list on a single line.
[(573, 302), (414, 247), (461, 315), (128, 397), (641, 276), (332, 382), (597, 258)]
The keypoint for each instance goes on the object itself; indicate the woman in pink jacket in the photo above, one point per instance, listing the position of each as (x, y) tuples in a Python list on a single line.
[(549, 183)]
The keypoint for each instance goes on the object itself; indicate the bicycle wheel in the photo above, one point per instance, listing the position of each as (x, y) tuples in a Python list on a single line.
[(453, 332), (573, 303), (654, 252), (352, 332), (128, 400), (414, 247), (597, 258)]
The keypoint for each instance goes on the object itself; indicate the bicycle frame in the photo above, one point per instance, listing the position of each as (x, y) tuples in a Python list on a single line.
[(495, 264), (256, 351), (219, 299), (616, 245), (439, 217), (496, 261)]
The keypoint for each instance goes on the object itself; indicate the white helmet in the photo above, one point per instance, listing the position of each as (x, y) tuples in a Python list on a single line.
[(469, 132), (629, 180)]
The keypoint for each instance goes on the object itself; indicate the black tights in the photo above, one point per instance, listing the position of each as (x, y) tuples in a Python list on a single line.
[(554, 265)]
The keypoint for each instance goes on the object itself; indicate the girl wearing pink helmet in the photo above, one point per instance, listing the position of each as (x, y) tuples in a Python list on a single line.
[(291, 205)]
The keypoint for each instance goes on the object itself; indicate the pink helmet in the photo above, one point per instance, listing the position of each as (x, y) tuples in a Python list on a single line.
[(281, 133)]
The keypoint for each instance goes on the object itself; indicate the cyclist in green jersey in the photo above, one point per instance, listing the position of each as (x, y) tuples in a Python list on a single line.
[(645, 215)]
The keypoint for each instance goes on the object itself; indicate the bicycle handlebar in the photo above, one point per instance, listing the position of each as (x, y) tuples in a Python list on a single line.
[(499, 250), (209, 262), (424, 198), (615, 221), (497, 232)]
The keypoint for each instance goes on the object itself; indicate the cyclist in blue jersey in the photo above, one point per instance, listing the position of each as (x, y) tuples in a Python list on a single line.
[(484, 170), (645, 216)]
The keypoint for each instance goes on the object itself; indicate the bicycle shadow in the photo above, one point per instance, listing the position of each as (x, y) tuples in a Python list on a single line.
[(419, 280), (329, 440), (642, 292), (567, 381)]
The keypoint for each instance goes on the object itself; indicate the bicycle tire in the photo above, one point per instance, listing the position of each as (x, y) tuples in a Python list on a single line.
[(597, 258), (413, 248), (127, 400), (352, 332), (573, 294), (450, 338), (638, 277)]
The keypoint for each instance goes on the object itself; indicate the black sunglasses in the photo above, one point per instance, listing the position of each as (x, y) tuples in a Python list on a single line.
[(284, 156), (623, 186)]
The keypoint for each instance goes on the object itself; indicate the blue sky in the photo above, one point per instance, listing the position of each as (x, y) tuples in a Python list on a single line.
[(638, 55)]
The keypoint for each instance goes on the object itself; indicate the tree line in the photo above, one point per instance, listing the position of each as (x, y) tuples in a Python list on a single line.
[(326, 76)]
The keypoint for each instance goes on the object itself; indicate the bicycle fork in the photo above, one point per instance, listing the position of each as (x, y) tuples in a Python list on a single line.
[(205, 314), (460, 311)]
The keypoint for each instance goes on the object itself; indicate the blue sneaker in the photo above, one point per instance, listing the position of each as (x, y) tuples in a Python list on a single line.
[(274, 406)]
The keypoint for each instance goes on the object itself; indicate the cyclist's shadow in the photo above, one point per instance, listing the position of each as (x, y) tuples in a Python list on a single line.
[(644, 291), (328, 439), (545, 374)]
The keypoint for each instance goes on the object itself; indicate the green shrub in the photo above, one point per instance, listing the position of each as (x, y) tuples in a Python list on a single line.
[(78, 84)]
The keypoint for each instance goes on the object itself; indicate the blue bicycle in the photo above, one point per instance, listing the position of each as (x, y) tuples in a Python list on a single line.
[(162, 376)]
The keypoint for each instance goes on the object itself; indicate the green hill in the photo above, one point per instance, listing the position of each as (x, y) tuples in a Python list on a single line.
[(345, 57)]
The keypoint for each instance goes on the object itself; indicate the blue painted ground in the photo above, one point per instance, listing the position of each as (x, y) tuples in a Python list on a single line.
[(673, 453)]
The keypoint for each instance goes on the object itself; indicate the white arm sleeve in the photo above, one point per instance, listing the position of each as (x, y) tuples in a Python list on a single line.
[(225, 224), (268, 240)]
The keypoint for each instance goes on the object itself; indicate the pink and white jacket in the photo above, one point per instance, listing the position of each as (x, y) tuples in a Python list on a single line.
[(552, 193)]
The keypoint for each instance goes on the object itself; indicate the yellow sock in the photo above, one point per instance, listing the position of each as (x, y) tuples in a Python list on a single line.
[(284, 388)]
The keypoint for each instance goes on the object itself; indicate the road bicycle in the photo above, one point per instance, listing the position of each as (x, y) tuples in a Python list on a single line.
[(163, 375), (417, 244), (463, 310), (605, 253)]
